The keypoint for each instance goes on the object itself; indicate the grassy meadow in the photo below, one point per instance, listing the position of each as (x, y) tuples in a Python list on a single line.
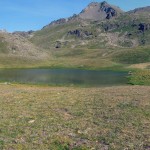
[(65, 118)]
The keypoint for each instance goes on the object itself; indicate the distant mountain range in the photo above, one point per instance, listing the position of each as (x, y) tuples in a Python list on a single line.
[(99, 25)]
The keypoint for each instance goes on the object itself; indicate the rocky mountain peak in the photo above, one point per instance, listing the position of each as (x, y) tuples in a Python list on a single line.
[(93, 4), (104, 3), (99, 11), (95, 11)]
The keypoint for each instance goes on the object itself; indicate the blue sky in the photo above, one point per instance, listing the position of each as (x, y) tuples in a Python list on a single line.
[(24, 15)]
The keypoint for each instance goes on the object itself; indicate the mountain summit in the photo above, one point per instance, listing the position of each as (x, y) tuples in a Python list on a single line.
[(95, 11), (100, 11)]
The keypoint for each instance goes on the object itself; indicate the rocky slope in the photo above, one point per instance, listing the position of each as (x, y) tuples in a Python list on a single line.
[(18, 51), (17, 44)]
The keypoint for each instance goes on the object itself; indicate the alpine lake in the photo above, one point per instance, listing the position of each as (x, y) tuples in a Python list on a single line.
[(68, 77)]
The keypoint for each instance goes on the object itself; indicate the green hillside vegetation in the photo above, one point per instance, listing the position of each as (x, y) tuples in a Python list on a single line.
[(133, 56), (3, 47)]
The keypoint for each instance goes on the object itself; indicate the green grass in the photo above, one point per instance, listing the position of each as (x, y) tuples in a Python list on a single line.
[(14, 61), (3, 47), (141, 77), (63, 118), (62, 58), (133, 56)]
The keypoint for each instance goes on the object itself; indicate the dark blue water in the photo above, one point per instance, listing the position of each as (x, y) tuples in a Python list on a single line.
[(64, 77)]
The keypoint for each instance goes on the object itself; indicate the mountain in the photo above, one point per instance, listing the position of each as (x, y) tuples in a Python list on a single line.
[(100, 11), (94, 11), (101, 35), (99, 25)]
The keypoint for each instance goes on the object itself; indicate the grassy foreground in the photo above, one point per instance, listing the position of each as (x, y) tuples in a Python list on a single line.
[(64, 118)]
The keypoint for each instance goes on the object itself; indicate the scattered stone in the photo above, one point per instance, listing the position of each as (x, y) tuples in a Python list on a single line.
[(31, 121)]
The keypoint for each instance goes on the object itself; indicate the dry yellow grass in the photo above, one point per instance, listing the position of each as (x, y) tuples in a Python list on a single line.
[(140, 66), (63, 118)]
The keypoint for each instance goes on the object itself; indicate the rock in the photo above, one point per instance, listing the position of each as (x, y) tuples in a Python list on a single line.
[(75, 32), (109, 27), (56, 22), (58, 44), (31, 121), (110, 12), (80, 33), (7, 83), (23, 33), (143, 27)]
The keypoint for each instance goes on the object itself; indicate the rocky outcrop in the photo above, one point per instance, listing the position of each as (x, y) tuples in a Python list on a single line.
[(56, 22), (80, 33), (111, 26), (58, 44), (144, 27), (23, 33), (110, 12)]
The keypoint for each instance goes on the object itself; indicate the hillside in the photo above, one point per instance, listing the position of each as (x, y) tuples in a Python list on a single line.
[(16, 50)]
